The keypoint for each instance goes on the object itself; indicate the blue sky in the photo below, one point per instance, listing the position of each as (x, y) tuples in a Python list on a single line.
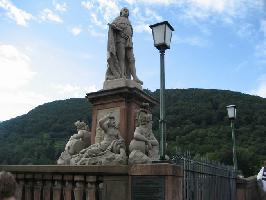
[(56, 49)]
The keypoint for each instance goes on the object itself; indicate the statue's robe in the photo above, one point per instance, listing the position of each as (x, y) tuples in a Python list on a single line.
[(114, 36)]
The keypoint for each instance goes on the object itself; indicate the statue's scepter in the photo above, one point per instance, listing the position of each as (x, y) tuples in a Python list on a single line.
[(123, 34)]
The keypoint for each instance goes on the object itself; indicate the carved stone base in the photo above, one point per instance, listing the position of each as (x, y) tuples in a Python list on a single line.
[(116, 83), (108, 158), (122, 102), (160, 181), (137, 157)]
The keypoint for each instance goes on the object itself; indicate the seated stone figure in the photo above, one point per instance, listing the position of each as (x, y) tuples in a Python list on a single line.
[(111, 150), (79, 141), (76, 143), (144, 147)]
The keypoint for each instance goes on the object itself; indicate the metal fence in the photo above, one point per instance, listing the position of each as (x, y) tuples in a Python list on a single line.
[(206, 180)]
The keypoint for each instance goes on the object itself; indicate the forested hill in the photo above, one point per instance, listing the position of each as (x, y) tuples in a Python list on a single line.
[(196, 121)]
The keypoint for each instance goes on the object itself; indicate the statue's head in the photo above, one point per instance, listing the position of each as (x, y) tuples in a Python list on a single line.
[(143, 118), (81, 125), (111, 121), (124, 12), (144, 115)]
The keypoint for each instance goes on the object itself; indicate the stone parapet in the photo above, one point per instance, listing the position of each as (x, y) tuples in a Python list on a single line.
[(98, 182), (247, 189)]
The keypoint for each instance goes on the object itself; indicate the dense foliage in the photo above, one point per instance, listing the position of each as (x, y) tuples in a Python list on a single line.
[(39, 136), (196, 121)]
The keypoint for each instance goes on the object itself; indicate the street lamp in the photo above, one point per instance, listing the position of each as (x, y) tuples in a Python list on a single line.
[(231, 110), (162, 34)]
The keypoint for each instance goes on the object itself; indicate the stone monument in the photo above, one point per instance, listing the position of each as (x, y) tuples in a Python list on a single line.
[(113, 161), (121, 132), (121, 95), (114, 107)]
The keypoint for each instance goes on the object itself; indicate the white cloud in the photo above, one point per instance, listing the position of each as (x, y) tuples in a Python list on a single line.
[(192, 40), (104, 11), (87, 4), (49, 15), (109, 9), (263, 27), (15, 74), (242, 65), (76, 31), (224, 10), (96, 34), (96, 21), (77, 91), (142, 20), (17, 103), (141, 27), (216, 5), (22, 89), (161, 2), (261, 89), (246, 30), (61, 7), (227, 11), (20, 16), (260, 49), (152, 15), (15, 68)]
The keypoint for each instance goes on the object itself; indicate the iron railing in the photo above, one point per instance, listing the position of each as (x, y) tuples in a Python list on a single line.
[(206, 180)]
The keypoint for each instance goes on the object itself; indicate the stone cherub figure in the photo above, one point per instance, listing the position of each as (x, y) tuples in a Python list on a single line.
[(76, 143), (111, 150), (120, 57), (144, 147)]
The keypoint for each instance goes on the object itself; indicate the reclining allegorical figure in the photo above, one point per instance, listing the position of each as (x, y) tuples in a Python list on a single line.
[(109, 151)]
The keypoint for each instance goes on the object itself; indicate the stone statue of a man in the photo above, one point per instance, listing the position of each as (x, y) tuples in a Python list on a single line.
[(120, 57)]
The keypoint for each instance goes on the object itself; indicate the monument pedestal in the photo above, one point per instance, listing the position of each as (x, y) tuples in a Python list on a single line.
[(146, 181), (121, 82), (123, 102)]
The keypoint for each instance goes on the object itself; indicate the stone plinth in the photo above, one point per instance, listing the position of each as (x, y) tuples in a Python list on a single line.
[(247, 189), (160, 181), (123, 102), (120, 182), (111, 84)]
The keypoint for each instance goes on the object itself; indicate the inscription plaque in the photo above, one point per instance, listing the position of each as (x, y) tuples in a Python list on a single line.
[(147, 188)]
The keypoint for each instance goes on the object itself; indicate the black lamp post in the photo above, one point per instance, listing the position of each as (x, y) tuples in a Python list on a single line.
[(162, 34), (231, 109)]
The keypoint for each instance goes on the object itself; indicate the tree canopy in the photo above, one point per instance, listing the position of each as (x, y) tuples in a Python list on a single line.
[(196, 121)]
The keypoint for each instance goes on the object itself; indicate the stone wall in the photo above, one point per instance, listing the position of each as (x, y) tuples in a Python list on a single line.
[(247, 188), (93, 182)]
